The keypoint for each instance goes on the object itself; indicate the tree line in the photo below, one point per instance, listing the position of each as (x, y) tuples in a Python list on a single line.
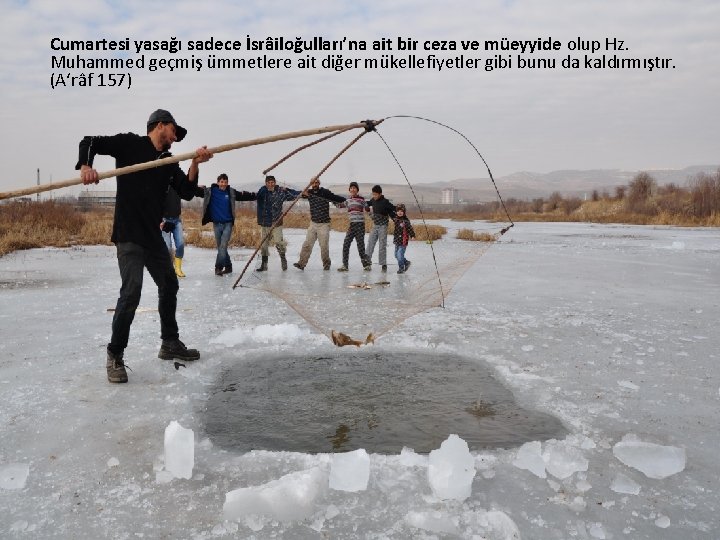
[(641, 201)]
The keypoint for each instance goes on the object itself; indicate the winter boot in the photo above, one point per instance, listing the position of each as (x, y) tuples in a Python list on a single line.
[(263, 265), (283, 260), (218, 271), (178, 267), (407, 265), (298, 265), (116, 368), (172, 349), (227, 269)]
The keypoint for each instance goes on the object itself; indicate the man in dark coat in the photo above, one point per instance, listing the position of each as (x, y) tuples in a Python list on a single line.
[(139, 206), (382, 211), (319, 229), (270, 199)]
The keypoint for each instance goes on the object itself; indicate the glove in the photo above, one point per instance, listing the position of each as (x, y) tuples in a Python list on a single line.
[(168, 226)]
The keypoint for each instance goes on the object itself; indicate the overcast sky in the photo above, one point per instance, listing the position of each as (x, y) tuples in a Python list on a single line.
[(536, 120)]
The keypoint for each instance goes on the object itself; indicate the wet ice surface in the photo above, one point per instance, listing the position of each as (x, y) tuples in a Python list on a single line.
[(613, 329), (377, 401)]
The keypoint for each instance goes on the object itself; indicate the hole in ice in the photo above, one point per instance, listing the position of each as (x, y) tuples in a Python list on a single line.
[(376, 401)]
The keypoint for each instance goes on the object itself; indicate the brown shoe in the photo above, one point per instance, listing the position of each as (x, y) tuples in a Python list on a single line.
[(116, 368), (174, 349)]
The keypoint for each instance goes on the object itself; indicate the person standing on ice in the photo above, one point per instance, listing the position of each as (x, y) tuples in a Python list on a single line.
[(219, 209), (319, 229), (139, 206), (401, 237), (172, 230), (382, 211), (270, 199), (356, 208)]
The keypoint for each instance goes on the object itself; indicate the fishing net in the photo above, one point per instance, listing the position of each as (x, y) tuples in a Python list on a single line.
[(358, 306), (355, 307)]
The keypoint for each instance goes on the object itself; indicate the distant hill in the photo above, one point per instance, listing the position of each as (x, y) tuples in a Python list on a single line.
[(520, 185), (529, 185)]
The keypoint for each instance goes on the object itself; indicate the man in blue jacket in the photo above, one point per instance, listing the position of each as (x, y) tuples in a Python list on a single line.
[(270, 199), (219, 208)]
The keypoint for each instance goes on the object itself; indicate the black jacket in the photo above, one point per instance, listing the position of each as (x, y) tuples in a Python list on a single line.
[(382, 210), (140, 197), (173, 206), (320, 200), (403, 231)]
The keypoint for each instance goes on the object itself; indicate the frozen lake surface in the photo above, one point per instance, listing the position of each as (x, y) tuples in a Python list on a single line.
[(611, 329)]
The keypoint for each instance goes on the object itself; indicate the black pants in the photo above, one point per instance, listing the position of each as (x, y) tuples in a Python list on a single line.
[(132, 259), (356, 232)]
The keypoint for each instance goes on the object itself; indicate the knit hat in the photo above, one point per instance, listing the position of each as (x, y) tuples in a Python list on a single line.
[(399, 207), (355, 185)]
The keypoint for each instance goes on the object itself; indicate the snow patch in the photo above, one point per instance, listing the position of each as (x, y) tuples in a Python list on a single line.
[(529, 457), (435, 522), (284, 333), (451, 469), (653, 460), (289, 498), (14, 475), (179, 450), (625, 484), (350, 471), (563, 460)]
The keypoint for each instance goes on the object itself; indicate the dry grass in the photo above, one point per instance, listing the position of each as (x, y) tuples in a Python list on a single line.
[(26, 225), (245, 233), (429, 232), (30, 225), (469, 234)]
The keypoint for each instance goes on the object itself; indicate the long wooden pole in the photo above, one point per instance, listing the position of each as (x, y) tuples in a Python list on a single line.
[(186, 156)]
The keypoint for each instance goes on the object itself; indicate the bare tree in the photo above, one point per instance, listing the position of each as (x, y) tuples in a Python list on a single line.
[(639, 191), (705, 194)]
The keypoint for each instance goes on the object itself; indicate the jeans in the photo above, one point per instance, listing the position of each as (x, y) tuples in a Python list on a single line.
[(400, 256), (132, 259), (356, 231), (176, 235), (321, 233), (223, 231), (378, 233)]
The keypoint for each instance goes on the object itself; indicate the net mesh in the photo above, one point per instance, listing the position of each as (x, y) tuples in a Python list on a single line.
[(361, 303), (355, 307)]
